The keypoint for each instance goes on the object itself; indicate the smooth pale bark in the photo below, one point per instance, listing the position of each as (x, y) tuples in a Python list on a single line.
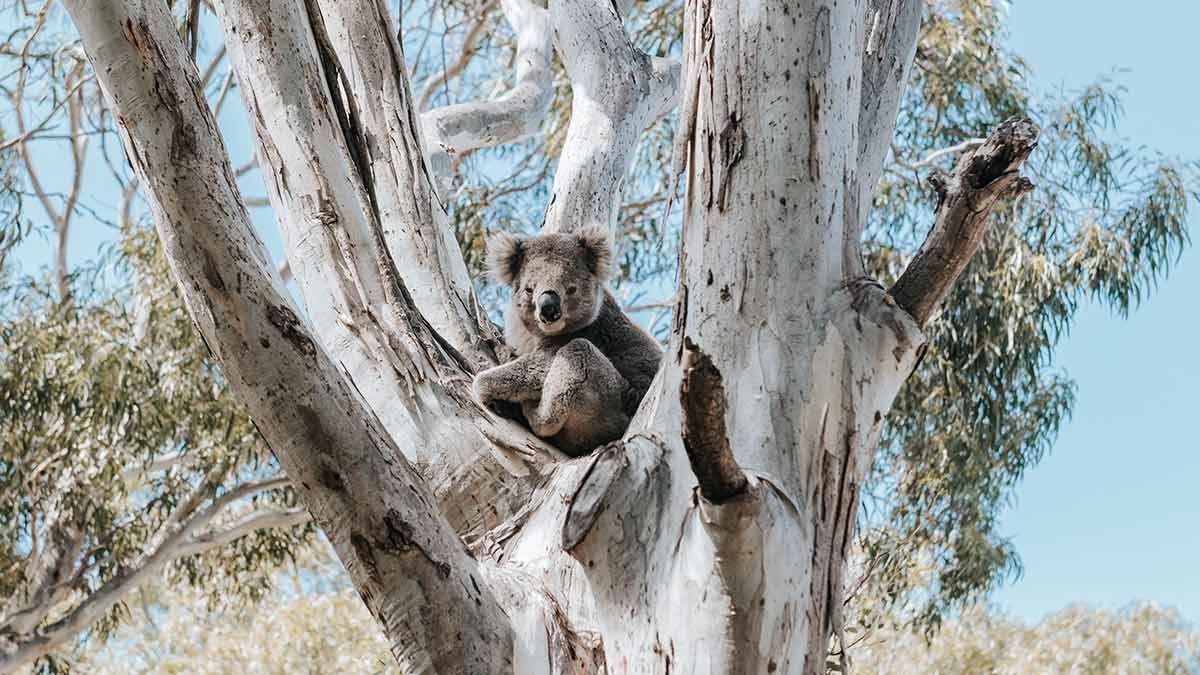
[(616, 92), (410, 567), (384, 138), (713, 538), (327, 191)]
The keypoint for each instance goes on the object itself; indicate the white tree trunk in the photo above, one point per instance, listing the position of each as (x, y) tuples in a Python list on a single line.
[(713, 538)]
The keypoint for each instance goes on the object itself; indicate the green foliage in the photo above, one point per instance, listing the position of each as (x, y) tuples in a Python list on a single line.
[(1104, 225), (92, 395), (304, 625)]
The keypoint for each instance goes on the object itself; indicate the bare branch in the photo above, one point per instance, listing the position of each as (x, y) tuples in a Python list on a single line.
[(933, 157), (192, 24), (78, 158), (617, 92), (30, 134), (965, 201), (224, 92), (263, 520), (211, 69), (518, 114), (702, 403), (464, 58), (161, 464)]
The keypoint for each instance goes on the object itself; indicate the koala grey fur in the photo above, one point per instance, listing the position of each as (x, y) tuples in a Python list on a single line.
[(582, 364)]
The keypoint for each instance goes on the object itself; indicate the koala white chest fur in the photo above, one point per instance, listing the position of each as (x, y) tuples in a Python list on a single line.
[(582, 364)]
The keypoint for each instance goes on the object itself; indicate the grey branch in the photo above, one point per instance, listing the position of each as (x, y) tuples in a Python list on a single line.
[(933, 157), (518, 114), (702, 399), (965, 200), (180, 540), (617, 91)]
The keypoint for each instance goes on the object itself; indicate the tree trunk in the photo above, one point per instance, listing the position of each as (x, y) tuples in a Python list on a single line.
[(712, 538)]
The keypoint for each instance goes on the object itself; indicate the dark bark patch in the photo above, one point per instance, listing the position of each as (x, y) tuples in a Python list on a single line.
[(400, 533), (366, 557), (330, 479), (314, 428), (733, 143), (211, 273), (288, 325), (400, 541), (702, 398)]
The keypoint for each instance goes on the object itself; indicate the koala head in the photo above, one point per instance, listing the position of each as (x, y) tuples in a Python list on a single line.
[(557, 280)]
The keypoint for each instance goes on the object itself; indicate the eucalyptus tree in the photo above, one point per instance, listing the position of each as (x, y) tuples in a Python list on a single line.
[(123, 458), (657, 552), (790, 136)]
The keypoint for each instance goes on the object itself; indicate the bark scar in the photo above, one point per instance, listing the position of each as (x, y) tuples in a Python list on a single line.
[(702, 399)]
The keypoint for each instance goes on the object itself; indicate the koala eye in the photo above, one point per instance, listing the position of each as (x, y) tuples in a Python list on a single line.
[(529, 290), (572, 290)]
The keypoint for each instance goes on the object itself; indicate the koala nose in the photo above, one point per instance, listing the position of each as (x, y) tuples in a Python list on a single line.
[(549, 307)]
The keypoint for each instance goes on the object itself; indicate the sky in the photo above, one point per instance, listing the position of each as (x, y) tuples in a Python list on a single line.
[(1112, 515)]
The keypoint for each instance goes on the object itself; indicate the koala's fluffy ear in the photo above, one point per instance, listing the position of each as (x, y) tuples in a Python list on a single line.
[(594, 241), (505, 253)]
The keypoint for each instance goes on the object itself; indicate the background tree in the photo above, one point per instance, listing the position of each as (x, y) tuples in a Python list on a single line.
[(123, 456), (932, 518), (330, 632)]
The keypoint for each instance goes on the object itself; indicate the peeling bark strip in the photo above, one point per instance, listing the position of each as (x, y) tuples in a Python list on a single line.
[(406, 561), (965, 200), (702, 397)]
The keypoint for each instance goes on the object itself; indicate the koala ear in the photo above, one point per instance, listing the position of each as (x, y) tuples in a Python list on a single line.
[(598, 252), (505, 253)]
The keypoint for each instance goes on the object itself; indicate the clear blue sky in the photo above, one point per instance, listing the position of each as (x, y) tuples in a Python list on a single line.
[(1112, 515)]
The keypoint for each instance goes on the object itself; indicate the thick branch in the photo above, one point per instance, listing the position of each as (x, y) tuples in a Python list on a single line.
[(965, 201), (361, 55), (702, 404), (616, 92), (409, 565)]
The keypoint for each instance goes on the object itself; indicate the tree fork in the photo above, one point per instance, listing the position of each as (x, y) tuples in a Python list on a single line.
[(407, 563)]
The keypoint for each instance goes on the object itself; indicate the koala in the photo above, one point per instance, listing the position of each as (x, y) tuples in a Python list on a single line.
[(582, 364)]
